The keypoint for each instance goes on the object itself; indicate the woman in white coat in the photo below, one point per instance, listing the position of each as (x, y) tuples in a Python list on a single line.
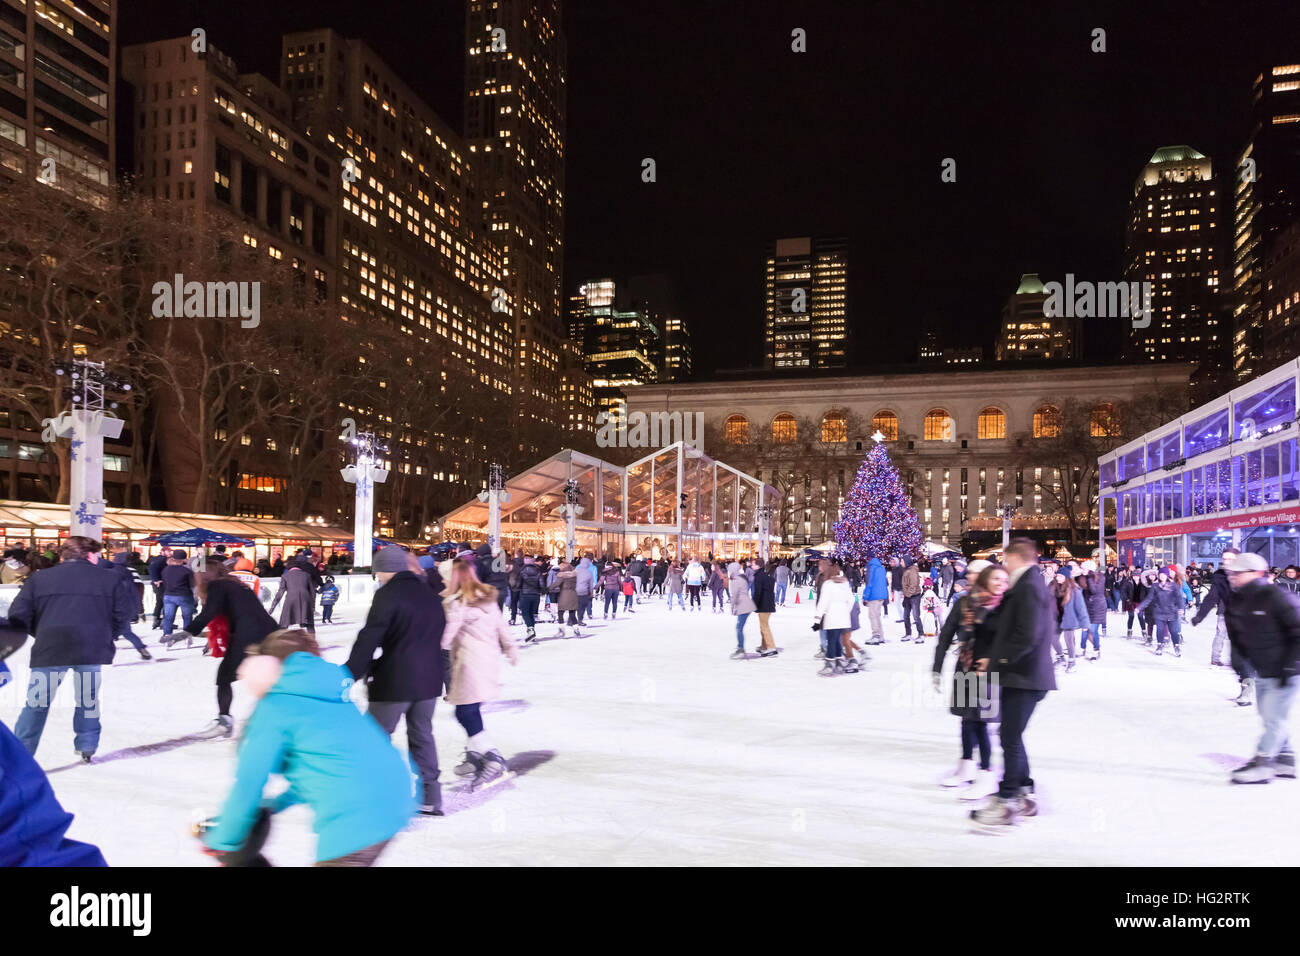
[(742, 605), (834, 616), (477, 637)]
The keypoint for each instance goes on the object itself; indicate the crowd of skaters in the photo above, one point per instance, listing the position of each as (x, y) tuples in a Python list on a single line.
[(438, 628)]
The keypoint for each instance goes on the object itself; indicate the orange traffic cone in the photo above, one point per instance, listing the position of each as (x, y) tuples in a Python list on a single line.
[(796, 597)]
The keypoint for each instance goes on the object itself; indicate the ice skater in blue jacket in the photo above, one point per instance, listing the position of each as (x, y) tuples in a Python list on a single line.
[(337, 760)]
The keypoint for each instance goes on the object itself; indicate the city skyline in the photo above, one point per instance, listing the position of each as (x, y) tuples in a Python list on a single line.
[(1049, 110)]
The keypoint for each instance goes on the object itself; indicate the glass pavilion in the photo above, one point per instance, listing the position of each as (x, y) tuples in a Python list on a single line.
[(676, 501)]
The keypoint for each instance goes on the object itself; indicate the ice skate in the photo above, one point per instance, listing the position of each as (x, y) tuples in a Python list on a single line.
[(1258, 770), (1070, 665), (963, 774), (998, 817), (1247, 695), (577, 632), (738, 654), (492, 771), (1026, 805), (85, 757), (851, 666), (145, 655), (767, 652), (820, 655), (560, 633), (1178, 650), (469, 766), (828, 669), (984, 785), (531, 636), (1160, 650), (429, 810), (1284, 765), (223, 726)]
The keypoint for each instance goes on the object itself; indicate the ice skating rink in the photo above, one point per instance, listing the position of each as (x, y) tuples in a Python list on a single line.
[(643, 744)]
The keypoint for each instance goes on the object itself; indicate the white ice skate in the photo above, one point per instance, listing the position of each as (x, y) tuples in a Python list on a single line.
[(961, 776), (223, 726)]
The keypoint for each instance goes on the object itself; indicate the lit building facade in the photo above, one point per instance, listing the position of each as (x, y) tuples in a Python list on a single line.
[(1172, 242), (962, 454), (1028, 333), (677, 362), (58, 74), (414, 250), (621, 347), (1266, 199), (1224, 474), (806, 303), (515, 118)]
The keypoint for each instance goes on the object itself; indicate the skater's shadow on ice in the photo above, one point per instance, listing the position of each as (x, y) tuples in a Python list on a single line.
[(504, 706), (144, 750), (458, 800), (1224, 761)]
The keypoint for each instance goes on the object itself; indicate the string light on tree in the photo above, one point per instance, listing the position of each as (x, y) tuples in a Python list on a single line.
[(877, 519)]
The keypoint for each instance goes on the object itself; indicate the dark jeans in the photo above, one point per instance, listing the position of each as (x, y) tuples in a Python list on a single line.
[(611, 598), (170, 603), (1170, 629), (419, 738), (470, 717), (975, 732), (1017, 707), (41, 687), (514, 604), (584, 607), (835, 644), (912, 610), (528, 607), (694, 592), (326, 613), (627, 601)]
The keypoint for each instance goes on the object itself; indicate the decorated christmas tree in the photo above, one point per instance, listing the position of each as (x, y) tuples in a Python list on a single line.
[(877, 519)]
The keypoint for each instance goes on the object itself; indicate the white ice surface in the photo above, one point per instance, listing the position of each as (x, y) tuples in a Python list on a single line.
[(644, 744)]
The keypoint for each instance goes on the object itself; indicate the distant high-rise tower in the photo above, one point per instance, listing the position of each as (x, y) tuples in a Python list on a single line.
[(515, 115), (1172, 241), (1028, 334), (805, 290), (1266, 199), (58, 77)]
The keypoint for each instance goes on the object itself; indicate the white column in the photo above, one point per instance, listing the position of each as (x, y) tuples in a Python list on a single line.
[(87, 430), (363, 519)]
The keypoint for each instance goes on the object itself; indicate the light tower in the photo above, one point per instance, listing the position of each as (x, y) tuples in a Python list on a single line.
[(87, 427), (570, 509), (495, 494), (365, 473)]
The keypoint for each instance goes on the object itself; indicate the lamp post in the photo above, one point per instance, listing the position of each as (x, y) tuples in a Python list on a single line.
[(570, 509), (1007, 511), (87, 427), (365, 473), (764, 530), (495, 494)]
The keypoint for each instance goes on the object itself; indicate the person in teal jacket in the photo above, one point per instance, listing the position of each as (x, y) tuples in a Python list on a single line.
[(337, 760)]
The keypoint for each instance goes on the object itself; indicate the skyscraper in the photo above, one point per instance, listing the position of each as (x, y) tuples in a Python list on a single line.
[(56, 122), (1172, 242), (1266, 199), (805, 291), (621, 344), (1028, 333), (515, 115)]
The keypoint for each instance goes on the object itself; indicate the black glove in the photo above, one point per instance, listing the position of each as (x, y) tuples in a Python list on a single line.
[(250, 854)]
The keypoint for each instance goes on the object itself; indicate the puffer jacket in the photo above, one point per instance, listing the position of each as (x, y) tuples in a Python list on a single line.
[(585, 582), (568, 582), (741, 601), (675, 581), (835, 604), (613, 579), (1165, 598), (477, 637), (1264, 625), (530, 580), (1075, 613), (1094, 595), (911, 581)]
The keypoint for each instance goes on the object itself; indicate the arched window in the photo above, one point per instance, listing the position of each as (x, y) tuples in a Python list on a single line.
[(784, 429), (1047, 422), (938, 426), (887, 424), (992, 423), (1103, 423), (736, 430), (835, 428)]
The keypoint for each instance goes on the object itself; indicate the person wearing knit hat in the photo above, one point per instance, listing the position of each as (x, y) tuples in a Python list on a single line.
[(405, 626)]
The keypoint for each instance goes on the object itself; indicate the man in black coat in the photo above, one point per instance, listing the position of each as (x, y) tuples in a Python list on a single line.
[(1216, 599), (485, 568), (75, 610), (1021, 660), (156, 565), (121, 567), (406, 622), (1264, 627), (764, 606)]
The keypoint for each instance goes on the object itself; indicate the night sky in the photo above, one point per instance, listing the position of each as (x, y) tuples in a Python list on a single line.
[(753, 141)]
